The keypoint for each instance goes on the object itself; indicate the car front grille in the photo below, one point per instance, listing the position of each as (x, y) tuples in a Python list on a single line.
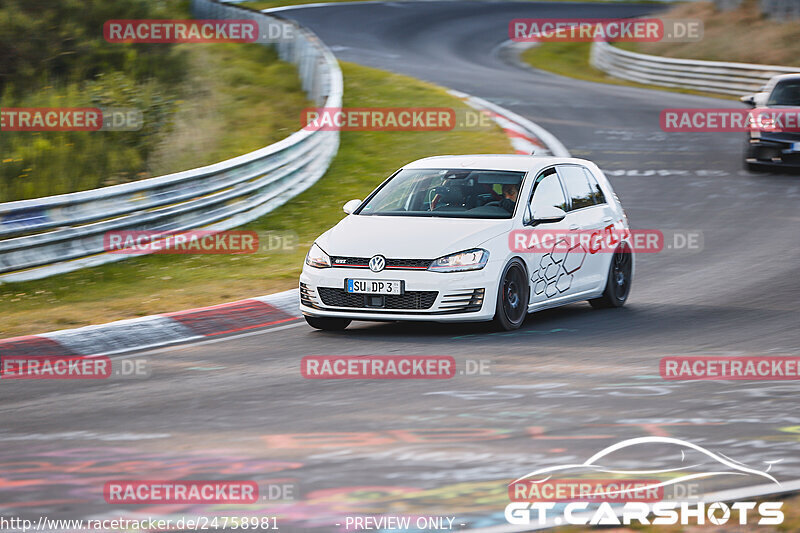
[(391, 264), (409, 300)]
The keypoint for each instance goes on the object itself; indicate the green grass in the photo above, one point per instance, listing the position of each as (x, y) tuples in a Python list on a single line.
[(163, 283), (240, 97), (742, 35), (572, 60), (235, 98)]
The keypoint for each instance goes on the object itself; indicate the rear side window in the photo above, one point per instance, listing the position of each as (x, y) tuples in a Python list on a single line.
[(578, 187), (597, 192)]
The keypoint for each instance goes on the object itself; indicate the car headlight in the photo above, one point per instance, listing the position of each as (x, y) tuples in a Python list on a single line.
[(317, 258), (470, 260)]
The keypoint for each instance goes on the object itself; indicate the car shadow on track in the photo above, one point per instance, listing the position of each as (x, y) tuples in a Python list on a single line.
[(565, 317)]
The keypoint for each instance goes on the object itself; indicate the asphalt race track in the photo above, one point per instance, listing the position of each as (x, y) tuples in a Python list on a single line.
[(570, 382)]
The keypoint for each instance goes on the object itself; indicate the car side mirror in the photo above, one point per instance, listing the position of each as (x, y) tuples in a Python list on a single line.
[(749, 99), (351, 206), (547, 214), (761, 99)]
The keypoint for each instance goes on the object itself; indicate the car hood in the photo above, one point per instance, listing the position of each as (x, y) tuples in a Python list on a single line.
[(408, 237)]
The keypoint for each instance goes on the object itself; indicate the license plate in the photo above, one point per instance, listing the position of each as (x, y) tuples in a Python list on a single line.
[(795, 147), (369, 286)]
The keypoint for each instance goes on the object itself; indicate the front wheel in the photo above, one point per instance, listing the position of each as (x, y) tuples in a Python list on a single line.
[(512, 297), (618, 284), (327, 324)]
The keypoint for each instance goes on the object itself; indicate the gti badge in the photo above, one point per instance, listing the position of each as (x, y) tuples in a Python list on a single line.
[(377, 263)]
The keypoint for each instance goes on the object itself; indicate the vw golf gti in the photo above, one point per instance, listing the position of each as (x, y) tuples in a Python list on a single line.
[(433, 242)]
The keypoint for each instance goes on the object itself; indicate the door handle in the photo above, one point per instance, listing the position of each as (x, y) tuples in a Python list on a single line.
[(574, 227), (608, 219)]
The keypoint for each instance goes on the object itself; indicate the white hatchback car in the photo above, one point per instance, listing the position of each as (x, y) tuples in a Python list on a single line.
[(434, 242)]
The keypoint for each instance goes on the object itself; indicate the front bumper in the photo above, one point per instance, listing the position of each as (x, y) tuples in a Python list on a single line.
[(429, 296), (774, 149)]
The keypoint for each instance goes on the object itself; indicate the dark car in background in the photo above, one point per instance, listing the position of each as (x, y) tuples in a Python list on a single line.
[(770, 145)]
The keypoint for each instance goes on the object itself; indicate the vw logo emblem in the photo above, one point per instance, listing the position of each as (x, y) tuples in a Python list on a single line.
[(377, 263)]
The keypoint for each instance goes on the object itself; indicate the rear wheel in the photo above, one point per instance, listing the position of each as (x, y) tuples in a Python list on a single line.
[(618, 284), (327, 324), (512, 297)]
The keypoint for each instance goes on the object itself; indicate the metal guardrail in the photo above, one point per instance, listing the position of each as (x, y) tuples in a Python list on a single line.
[(708, 76), (56, 234)]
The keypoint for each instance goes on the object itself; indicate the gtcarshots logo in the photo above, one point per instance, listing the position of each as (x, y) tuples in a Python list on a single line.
[(539, 497)]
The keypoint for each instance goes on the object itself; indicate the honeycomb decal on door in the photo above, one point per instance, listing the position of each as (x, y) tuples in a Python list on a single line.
[(557, 269)]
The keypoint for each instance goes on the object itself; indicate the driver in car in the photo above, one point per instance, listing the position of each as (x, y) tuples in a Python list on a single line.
[(510, 193)]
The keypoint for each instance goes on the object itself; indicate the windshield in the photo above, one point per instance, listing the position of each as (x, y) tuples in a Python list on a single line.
[(451, 193), (785, 93)]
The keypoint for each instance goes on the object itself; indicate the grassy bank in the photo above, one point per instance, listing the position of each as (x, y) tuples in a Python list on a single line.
[(158, 284), (201, 103), (572, 60), (239, 97), (742, 35)]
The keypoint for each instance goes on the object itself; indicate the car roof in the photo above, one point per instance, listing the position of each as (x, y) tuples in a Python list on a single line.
[(521, 163), (781, 77)]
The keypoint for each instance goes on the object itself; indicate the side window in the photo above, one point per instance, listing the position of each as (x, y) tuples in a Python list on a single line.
[(577, 184), (548, 192), (597, 192)]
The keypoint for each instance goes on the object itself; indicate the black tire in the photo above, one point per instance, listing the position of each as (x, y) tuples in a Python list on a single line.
[(618, 282), (512, 297), (327, 324)]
